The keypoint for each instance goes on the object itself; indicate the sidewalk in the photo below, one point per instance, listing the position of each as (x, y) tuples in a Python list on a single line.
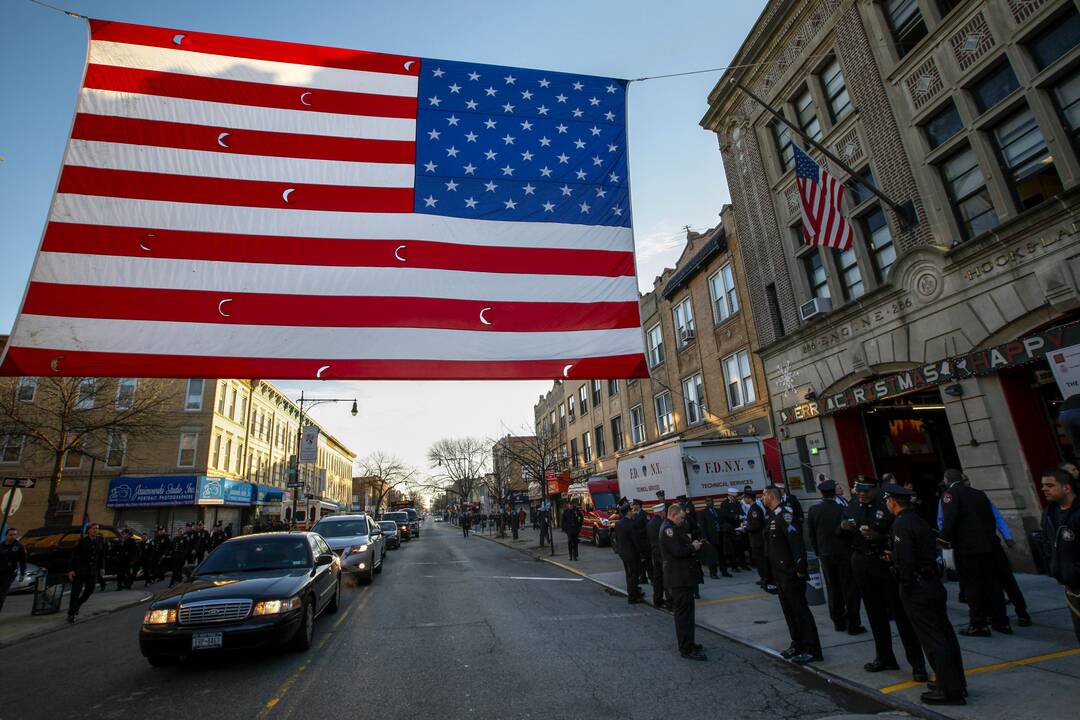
[(1032, 674), (17, 624)]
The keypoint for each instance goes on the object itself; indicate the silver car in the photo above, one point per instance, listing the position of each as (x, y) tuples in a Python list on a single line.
[(390, 533), (358, 541)]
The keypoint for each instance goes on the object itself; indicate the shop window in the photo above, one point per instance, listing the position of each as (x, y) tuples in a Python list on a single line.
[(782, 137), (739, 380), (586, 447), (595, 393), (683, 314), (1060, 36), (942, 125), (189, 442), (815, 273), (583, 394), (115, 449), (27, 389), (1027, 160), (86, 393), (655, 338), (665, 418), (11, 447), (850, 277), (906, 23), (836, 91), (601, 443), (617, 434), (879, 242), (694, 399), (994, 86), (612, 388), (725, 298), (967, 190), (1067, 95), (637, 424), (808, 119), (573, 452)]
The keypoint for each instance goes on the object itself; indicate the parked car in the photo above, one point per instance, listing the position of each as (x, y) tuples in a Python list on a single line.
[(390, 533), (251, 591), (402, 519), (414, 522), (25, 583), (357, 540), (51, 546)]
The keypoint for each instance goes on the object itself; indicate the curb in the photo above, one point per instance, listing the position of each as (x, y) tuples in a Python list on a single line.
[(50, 630)]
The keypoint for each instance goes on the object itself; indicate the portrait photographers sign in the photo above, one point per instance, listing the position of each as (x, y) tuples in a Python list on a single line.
[(309, 444)]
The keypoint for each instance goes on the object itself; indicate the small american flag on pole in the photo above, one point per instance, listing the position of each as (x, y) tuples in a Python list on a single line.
[(231, 207), (820, 196)]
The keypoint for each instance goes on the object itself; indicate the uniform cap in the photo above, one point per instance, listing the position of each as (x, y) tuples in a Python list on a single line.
[(659, 493), (734, 492), (898, 491), (827, 486), (680, 498)]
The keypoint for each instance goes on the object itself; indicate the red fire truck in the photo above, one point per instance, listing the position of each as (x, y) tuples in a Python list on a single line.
[(603, 495)]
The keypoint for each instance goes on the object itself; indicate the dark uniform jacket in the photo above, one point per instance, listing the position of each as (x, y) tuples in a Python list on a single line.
[(1061, 535), (12, 558), (653, 532), (755, 525), (967, 520), (914, 549), (710, 525), (690, 524), (796, 507), (877, 517), (822, 522), (783, 536), (680, 567), (129, 549), (571, 521), (730, 516), (641, 527), (626, 539), (88, 555), (216, 538)]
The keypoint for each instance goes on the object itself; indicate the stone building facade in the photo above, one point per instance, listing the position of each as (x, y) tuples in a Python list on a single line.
[(924, 345), (705, 380)]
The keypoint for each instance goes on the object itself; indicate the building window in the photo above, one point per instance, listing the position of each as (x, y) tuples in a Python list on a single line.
[(967, 189), (994, 86), (227, 464), (1060, 36), (836, 91), (27, 389), (850, 277), (879, 241), (739, 379), (616, 434), (612, 388), (73, 456), (782, 137), (222, 390), (694, 399), (217, 451), (586, 447), (115, 449), (125, 393), (906, 23), (725, 299), (193, 399), (1027, 161), (808, 119), (772, 300), (553, 422), (942, 125), (1067, 94), (655, 338), (601, 444), (637, 424), (11, 447), (573, 452), (665, 418), (232, 402), (65, 504), (562, 415), (859, 193), (815, 273), (570, 408), (85, 398), (583, 394), (684, 322), (595, 393), (189, 441)]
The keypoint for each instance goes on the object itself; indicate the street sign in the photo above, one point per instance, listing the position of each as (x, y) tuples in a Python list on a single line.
[(16, 501), (19, 482), (294, 484), (309, 444)]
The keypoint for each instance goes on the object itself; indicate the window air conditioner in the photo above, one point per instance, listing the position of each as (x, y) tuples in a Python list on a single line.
[(686, 334), (817, 306)]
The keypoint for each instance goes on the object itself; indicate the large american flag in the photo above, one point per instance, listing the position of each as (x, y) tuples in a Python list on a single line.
[(231, 207), (820, 198)]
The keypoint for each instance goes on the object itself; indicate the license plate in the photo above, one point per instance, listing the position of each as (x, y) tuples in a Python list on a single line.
[(206, 640)]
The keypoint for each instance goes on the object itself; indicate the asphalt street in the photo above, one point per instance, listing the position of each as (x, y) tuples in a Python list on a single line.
[(452, 628)]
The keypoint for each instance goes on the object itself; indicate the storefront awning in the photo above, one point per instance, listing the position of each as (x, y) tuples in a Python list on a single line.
[(152, 491), (268, 495), (223, 491)]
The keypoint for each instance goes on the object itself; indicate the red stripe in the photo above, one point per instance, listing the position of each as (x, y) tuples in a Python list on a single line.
[(158, 133), (38, 362), (199, 306), (238, 92), (347, 252), (219, 191), (254, 49)]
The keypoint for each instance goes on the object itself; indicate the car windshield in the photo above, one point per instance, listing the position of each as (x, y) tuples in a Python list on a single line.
[(255, 553), (603, 500), (388, 525), (396, 517), (412, 514), (345, 527)]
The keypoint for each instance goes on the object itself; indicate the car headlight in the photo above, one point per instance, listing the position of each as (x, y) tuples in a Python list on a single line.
[(165, 616), (276, 607), (357, 549)]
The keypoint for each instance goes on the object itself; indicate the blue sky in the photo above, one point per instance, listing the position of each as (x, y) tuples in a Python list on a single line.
[(675, 171)]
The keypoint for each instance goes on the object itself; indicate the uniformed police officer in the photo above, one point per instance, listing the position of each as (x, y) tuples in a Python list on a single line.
[(126, 558), (834, 554), (12, 562), (641, 530), (914, 560), (755, 532), (787, 557), (867, 522), (626, 544), (180, 550), (86, 562), (680, 574), (652, 532)]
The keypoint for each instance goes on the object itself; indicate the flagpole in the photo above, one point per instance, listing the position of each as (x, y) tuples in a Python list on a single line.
[(905, 212)]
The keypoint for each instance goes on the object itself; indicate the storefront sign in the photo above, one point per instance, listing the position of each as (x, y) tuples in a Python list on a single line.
[(156, 491), (222, 491), (1017, 254), (983, 361), (1065, 364), (268, 495)]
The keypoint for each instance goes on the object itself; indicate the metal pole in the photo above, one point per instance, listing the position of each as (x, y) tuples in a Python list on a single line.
[(296, 464), (89, 488)]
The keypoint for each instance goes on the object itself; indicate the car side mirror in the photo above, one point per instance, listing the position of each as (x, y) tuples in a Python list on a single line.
[(324, 559)]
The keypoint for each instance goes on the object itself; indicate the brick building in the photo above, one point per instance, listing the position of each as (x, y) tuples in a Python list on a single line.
[(901, 354), (705, 381)]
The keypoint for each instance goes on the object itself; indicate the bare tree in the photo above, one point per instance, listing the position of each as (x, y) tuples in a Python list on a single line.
[(458, 465), (106, 419), (382, 474)]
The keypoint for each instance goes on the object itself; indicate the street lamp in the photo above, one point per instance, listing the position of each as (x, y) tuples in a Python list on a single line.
[(299, 439)]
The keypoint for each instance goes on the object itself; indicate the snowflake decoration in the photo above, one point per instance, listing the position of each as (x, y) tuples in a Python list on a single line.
[(788, 377)]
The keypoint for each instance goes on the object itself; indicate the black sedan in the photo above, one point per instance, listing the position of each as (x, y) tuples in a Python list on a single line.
[(252, 591)]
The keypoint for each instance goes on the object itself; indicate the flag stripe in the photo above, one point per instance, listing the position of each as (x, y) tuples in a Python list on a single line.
[(112, 211), (252, 48), (345, 252), (247, 193), (243, 142), (226, 277), (235, 92), (226, 67), (331, 343), (137, 303), (46, 361), (150, 159), (197, 112)]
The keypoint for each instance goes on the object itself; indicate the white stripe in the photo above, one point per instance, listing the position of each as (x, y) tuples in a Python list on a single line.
[(202, 163), (237, 277), (226, 116), (324, 343), (124, 212), (227, 67)]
